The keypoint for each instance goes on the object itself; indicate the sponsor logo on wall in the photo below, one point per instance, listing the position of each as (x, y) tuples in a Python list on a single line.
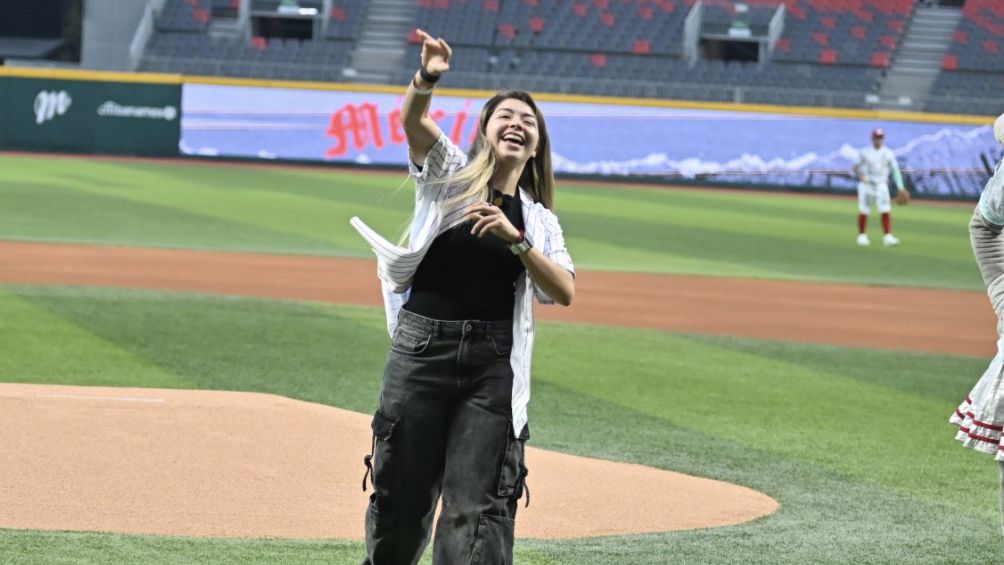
[(50, 104), (111, 109)]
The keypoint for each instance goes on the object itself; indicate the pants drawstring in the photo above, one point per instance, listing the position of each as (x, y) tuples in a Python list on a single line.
[(368, 461), (526, 487)]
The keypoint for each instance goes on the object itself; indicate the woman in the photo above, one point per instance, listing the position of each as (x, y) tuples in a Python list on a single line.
[(452, 416), (981, 416)]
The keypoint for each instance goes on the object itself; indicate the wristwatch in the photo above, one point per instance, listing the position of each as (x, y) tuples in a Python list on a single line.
[(521, 245)]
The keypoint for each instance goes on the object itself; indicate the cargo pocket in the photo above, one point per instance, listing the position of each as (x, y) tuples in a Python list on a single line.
[(512, 477), (379, 463), (493, 545), (408, 341)]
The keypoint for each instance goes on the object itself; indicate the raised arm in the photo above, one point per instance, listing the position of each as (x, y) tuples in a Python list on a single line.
[(421, 131)]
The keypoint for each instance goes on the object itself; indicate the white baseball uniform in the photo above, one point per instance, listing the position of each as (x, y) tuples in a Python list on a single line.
[(876, 164)]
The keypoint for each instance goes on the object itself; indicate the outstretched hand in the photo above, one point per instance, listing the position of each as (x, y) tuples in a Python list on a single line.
[(435, 53), (490, 219)]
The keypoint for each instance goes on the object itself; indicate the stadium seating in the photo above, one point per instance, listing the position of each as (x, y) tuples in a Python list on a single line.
[(345, 21), (182, 44), (185, 15), (978, 42), (831, 52), (635, 48), (973, 68), (844, 32)]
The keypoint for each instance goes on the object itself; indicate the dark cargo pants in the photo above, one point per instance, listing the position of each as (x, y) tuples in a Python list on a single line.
[(444, 426)]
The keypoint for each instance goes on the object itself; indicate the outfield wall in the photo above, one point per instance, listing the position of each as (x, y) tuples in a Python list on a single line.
[(946, 156), (72, 113)]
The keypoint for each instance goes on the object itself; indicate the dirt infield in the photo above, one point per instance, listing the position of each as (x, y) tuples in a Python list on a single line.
[(942, 321), (200, 463)]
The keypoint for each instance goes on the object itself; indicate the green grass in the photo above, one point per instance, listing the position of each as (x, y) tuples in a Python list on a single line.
[(853, 443), (626, 229)]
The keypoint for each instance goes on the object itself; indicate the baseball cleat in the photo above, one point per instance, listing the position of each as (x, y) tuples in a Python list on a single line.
[(890, 239), (863, 239)]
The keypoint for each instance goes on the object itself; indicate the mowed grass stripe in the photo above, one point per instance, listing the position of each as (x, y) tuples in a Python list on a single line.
[(46, 348), (753, 253), (850, 425), (274, 210), (52, 212), (722, 233)]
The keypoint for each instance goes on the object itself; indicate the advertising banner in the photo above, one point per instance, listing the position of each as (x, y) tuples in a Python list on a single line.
[(81, 116), (686, 145)]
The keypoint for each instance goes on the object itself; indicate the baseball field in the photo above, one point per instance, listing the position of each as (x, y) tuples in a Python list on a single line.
[(736, 336)]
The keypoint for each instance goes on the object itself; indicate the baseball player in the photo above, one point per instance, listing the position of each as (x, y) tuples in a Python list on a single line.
[(872, 169)]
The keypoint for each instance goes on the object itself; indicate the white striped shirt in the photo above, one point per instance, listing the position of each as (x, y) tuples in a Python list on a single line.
[(396, 266), (876, 164)]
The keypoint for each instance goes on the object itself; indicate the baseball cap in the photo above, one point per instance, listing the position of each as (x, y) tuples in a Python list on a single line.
[(878, 132)]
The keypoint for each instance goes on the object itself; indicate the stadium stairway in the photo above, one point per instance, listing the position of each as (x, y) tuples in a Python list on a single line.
[(383, 43), (918, 62)]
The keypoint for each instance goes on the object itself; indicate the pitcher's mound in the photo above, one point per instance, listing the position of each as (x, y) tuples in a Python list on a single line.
[(199, 463)]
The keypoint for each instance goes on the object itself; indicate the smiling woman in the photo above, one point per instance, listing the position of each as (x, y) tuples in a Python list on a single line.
[(452, 417)]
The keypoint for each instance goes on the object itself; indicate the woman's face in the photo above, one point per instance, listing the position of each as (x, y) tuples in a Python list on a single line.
[(512, 132)]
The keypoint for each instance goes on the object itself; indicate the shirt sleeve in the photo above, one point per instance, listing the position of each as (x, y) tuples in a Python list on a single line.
[(553, 247), (991, 204), (897, 175), (443, 159)]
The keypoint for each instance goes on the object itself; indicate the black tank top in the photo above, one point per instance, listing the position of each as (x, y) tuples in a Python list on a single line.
[(464, 277)]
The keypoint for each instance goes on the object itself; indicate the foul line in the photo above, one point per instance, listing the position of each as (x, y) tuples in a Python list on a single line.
[(84, 397)]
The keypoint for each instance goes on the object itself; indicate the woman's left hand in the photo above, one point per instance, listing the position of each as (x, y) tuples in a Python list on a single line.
[(490, 219)]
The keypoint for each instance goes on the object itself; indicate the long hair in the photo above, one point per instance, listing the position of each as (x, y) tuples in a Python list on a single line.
[(537, 177)]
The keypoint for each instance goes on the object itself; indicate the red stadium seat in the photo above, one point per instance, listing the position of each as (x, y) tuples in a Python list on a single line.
[(507, 30), (880, 59), (642, 47), (828, 56), (950, 62)]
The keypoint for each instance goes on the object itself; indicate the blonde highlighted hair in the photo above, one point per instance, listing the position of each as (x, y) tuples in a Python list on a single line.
[(537, 177)]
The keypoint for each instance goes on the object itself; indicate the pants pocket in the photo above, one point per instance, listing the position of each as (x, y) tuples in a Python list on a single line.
[(493, 545), (513, 465), (380, 461), (409, 341)]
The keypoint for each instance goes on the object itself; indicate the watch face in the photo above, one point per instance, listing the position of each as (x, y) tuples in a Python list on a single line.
[(521, 247)]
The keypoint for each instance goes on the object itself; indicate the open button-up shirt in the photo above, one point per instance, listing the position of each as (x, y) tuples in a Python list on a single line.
[(435, 214)]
